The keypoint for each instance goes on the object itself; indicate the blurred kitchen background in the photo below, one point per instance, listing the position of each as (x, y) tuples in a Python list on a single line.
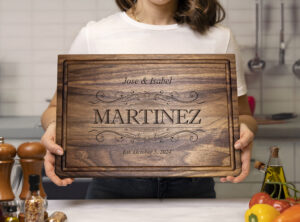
[(34, 32)]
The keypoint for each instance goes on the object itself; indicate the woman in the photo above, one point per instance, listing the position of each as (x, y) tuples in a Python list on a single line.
[(154, 27)]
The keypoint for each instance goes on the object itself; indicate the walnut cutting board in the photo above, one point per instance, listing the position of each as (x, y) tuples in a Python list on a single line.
[(147, 116)]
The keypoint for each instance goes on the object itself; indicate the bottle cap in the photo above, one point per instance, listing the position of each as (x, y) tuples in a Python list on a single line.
[(34, 182), (274, 151), (259, 165)]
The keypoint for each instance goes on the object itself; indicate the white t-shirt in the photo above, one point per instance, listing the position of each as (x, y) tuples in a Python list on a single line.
[(120, 34)]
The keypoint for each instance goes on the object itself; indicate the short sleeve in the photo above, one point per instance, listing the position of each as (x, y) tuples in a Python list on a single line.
[(80, 44), (233, 48)]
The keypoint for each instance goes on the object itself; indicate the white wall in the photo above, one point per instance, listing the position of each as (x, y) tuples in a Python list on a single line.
[(33, 32)]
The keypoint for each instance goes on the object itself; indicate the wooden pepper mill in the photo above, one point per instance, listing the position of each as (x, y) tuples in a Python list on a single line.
[(31, 158), (7, 154)]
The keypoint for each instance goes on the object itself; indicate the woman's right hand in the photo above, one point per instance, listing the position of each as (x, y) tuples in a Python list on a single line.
[(48, 140)]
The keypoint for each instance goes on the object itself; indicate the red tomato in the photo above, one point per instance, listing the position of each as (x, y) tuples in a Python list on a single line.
[(279, 205), (259, 198), (293, 201)]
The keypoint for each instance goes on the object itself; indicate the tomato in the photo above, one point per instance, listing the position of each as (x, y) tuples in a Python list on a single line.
[(280, 205), (259, 198), (293, 201)]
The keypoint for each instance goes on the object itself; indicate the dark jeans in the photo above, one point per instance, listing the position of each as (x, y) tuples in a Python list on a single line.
[(117, 188)]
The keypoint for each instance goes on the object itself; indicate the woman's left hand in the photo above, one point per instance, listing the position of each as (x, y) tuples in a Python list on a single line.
[(245, 145)]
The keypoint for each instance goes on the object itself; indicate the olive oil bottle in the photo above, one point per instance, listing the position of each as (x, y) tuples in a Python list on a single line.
[(275, 173)]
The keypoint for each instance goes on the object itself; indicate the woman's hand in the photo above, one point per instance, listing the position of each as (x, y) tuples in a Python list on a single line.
[(245, 145), (48, 140)]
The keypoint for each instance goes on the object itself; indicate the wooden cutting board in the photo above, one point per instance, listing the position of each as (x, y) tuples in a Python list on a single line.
[(147, 116)]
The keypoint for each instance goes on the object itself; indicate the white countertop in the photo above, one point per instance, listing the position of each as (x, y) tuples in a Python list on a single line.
[(175, 210)]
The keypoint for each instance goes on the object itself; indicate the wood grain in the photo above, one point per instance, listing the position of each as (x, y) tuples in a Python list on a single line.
[(31, 156), (147, 115)]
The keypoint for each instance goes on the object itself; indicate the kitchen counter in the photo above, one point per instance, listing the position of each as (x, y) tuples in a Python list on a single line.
[(22, 127), (175, 210), (30, 128)]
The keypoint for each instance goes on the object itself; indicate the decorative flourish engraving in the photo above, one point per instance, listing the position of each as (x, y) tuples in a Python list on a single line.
[(134, 97), (132, 137)]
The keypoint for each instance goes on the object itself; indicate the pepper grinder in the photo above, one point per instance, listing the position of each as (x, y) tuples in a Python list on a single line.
[(31, 158), (7, 154)]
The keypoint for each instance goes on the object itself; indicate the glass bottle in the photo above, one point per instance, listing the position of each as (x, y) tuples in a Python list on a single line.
[(34, 203), (6, 207), (275, 173), (31, 156), (11, 214)]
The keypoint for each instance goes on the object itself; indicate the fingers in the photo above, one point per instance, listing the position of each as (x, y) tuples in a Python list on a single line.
[(245, 167), (48, 140), (243, 142), (246, 137), (237, 179), (54, 148), (227, 179), (51, 145), (246, 156), (49, 169), (223, 179)]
